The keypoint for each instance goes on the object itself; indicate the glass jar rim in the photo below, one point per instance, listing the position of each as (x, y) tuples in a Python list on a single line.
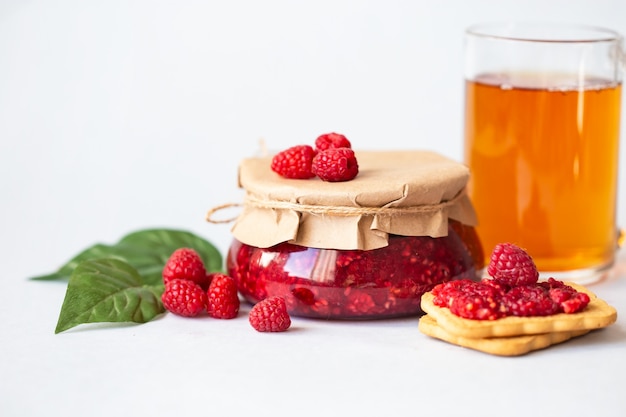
[(543, 32)]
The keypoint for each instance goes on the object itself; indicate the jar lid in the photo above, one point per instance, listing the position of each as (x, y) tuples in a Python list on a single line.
[(408, 193)]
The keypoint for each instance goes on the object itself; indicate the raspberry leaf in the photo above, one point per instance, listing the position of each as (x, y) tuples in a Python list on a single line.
[(108, 290), (147, 251), (94, 252), (164, 241)]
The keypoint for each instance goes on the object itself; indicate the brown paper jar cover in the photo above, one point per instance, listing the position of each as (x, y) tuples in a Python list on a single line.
[(405, 193)]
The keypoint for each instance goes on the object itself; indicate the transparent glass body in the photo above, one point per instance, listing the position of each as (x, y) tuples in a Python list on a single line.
[(542, 127), (356, 284)]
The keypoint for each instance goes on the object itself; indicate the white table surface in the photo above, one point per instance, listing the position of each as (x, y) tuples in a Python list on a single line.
[(182, 366), (122, 115)]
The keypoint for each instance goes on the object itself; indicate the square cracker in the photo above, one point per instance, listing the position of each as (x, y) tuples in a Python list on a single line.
[(596, 315), (501, 346)]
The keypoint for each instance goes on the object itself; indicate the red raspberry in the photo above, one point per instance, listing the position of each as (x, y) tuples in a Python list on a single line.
[(184, 298), (294, 162), (331, 140), (270, 315), (512, 265), (222, 297), (335, 164), (185, 263)]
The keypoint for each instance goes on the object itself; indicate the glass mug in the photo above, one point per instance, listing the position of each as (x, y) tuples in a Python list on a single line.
[(542, 120)]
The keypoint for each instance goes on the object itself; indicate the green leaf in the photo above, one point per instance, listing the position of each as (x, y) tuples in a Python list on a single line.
[(94, 252), (147, 251), (156, 239), (108, 290)]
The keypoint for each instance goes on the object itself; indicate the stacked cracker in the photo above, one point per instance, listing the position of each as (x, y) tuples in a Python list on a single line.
[(513, 336)]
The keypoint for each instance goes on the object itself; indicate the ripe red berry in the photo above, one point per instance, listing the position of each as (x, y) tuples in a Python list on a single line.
[(331, 140), (294, 162), (270, 315), (335, 164), (222, 297), (185, 263), (184, 298), (512, 265)]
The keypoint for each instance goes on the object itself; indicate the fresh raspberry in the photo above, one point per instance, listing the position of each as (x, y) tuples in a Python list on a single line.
[(512, 265), (294, 162), (222, 297), (270, 315), (335, 164), (185, 263), (331, 140), (184, 297)]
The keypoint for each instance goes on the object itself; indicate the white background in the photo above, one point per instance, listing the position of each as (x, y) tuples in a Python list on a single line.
[(121, 115)]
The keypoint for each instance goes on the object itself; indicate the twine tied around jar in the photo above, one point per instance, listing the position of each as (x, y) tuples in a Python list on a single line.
[(253, 201)]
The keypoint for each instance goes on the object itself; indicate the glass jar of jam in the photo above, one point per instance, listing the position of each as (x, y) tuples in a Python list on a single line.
[(360, 249), (355, 284)]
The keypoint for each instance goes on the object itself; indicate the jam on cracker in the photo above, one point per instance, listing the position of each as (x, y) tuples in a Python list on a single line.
[(512, 290)]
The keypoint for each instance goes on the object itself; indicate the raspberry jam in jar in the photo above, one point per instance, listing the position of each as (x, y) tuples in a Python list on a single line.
[(365, 248), (355, 284)]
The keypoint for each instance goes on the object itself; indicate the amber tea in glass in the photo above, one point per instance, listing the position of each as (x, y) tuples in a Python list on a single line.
[(542, 121)]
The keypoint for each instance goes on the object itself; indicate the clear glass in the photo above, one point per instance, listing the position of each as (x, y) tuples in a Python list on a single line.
[(356, 284), (542, 121)]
